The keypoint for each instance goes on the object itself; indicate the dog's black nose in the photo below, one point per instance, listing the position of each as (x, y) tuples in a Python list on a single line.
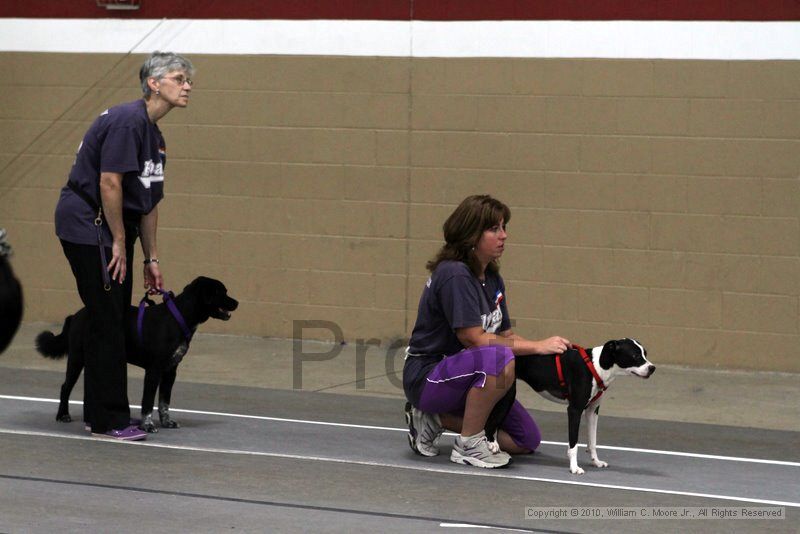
[(650, 370)]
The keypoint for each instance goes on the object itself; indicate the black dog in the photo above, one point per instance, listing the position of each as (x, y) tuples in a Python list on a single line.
[(159, 353), (578, 387), (10, 296)]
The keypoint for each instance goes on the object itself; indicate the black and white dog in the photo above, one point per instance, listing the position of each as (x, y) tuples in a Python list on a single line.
[(576, 384), (163, 345)]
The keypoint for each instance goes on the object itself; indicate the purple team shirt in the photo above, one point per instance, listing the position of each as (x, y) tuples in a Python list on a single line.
[(454, 298), (122, 139)]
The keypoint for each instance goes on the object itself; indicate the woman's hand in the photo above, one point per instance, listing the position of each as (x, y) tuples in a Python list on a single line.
[(118, 266), (554, 345), (153, 280)]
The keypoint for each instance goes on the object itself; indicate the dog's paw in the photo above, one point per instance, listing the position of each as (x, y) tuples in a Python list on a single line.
[(599, 463), (148, 427), (65, 418), (169, 423), (576, 470)]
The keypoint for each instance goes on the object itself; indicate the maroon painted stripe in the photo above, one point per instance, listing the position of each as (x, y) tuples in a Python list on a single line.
[(734, 10)]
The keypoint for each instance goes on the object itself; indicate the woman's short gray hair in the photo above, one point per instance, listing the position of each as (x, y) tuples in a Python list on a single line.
[(159, 64)]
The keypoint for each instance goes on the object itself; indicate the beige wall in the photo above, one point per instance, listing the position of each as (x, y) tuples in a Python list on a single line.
[(652, 199)]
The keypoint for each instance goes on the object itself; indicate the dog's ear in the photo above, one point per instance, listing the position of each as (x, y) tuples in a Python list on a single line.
[(610, 347)]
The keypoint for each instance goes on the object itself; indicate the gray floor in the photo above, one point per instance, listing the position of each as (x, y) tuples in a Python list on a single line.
[(255, 455)]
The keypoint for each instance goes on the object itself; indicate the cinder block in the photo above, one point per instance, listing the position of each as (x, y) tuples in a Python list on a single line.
[(614, 230), (775, 158), (444, 112), (245, 248), (627, 305), (769, 80), (556, 227), (649, 192), (760, 313), (615, 154), (680, 78), (301, 181), (684, 156), (781, 197), (521, 262), (548, 76), (570, 265), (426, 221), (542, 301), (390, 148), (688, 233), (618, 77), (374, 219), (19, 134), (724, 196), (695, 309), (373, 255), (781, 119), (758, 351), (387, 184), (649, 268), (390, 292), (510, 114), (726, 118), (470, 76), (653, 116), (313, 252), (183, 243), (339, 289), (302, 73), (446, 149), (27, 69), (759, 235)]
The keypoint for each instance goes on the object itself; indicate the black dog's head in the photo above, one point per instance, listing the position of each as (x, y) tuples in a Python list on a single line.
[(214, 297), (629, 356), (10, 296)]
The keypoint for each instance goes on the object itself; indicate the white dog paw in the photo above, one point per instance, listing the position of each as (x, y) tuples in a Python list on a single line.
[(577, 471), (599, 463)]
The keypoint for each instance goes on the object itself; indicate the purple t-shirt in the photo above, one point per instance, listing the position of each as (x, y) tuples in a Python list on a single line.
[(454, 298), (122, 139)]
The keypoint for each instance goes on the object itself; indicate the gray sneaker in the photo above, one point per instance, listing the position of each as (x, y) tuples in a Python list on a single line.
[(424, 431), (477, 452)]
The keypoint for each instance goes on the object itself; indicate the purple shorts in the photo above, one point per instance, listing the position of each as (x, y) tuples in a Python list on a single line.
[(447, 385)]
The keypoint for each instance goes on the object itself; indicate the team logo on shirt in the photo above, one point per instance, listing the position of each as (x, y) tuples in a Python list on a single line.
[(491, 321), (152, 172)]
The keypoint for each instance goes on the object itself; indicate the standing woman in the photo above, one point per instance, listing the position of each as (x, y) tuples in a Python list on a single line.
[(110, 199), (460, 360)]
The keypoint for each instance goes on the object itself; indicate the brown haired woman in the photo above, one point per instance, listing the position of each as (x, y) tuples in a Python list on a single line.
[(460, 360)]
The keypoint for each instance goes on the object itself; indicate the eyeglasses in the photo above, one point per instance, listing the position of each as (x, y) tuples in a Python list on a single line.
[(180, 80)]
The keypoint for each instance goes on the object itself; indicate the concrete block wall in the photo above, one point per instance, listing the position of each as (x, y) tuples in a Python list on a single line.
[(658, 199)]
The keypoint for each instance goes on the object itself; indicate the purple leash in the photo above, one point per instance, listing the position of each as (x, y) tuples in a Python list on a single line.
[(169, 300)]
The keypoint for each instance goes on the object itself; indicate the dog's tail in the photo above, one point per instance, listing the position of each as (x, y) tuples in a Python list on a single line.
[(54, 346)]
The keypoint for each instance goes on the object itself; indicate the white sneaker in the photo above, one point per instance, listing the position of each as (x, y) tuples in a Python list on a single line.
[(477, 452), (424, 431)]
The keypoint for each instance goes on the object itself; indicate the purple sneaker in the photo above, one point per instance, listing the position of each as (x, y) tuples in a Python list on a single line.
[(135, 422), (132, 421), (130, 433)]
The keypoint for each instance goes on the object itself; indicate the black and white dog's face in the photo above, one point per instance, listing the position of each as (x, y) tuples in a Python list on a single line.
[(214, 296), (626, 356)]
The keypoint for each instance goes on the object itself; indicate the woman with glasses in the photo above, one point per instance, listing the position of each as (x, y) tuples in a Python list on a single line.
[(110, 199)]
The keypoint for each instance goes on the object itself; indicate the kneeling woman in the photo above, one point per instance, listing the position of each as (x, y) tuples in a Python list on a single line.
[(460, 360)]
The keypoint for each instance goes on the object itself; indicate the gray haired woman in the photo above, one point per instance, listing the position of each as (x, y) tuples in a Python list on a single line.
[(110, 199)]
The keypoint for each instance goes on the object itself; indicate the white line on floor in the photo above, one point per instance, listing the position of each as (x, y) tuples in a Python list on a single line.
[(448, 471), (392, 429)]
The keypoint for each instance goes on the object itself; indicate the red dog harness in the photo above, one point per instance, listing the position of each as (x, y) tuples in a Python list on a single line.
[(588, 361)]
